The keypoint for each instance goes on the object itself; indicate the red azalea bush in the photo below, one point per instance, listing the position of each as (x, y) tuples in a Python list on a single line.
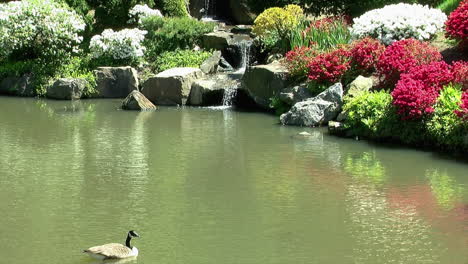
[(463, 112), (365, 54), (328, 68), (460, 73), (297, 61), (404, 55), (457, 24), (417, 91)]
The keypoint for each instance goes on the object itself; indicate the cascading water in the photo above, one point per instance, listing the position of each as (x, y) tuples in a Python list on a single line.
[(209, 10), (230, 92)]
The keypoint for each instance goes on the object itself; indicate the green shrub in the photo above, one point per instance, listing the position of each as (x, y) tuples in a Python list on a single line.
[(180, 58), (16, 68), (368, 112), (77, 67), (444, 126), (170, 34), (447, 6), (174, 8)]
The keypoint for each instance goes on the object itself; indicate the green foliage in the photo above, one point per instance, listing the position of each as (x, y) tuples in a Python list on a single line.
[(367, 113), (174, 8), (180, 58), (77, 67), (447, 6), (279, 106), (444, 126), (16, 68), (170, 34), (324, 34)]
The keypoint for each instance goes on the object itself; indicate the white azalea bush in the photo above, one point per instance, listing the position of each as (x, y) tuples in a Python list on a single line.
[(32, 29), (118, 47), (400, 21), (140, 12)]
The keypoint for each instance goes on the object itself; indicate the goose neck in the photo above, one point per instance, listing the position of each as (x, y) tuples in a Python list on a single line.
[(127, 242)]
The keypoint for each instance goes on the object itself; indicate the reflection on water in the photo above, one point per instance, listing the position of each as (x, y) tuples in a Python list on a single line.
[(217, 186)]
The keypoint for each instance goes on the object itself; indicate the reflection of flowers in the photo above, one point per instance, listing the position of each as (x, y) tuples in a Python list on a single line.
[(444, 188), (367, 167)]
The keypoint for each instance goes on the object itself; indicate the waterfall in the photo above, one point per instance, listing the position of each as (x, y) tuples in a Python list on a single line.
[(229, 95), (209, 10), (244, 47)]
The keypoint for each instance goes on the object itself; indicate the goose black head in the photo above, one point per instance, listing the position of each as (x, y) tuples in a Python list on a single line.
[(133, 233)]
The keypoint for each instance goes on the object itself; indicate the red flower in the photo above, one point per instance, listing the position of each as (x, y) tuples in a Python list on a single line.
[(365, 54), (297, 61), (460, 73), (404, 55), (329, 67), (457, 24), (417, 91)]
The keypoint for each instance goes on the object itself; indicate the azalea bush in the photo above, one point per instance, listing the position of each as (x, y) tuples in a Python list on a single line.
[(139, 12), (402, 56), (457, 24), (122, 47), (365, 54), (38, 29), (321, 34), (463, 111), (418, 90), (400, 21), (328, 68), (297, 62)]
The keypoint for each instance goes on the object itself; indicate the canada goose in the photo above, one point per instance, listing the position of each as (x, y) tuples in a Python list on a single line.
[(114, 250)]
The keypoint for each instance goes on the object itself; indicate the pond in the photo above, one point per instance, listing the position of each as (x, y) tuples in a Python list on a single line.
[(203, 185)]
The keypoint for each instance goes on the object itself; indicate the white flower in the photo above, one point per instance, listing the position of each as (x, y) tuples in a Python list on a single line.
[(46, 26), (120, 45), (139, 12), (399, 21)]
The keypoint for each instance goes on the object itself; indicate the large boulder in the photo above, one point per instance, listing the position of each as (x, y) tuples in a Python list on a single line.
[(67, 89), (359, 85), (137, 101), (116, 82), (240, 12), (171, 87), (218, 40), (295, 94), (211, 90), (21, 86), (263, 82), (210, 65), (316, 111)]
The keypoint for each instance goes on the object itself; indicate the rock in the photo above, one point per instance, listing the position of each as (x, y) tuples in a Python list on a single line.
[(336, 128), (116, 82), (343, 116), (274, 57), (240, 12), (67, 89), (242, 29), (171, 87), (359, 85), (137, 101), (316, 111), (206, 92), (210, 65), (263, 82), (295, 94), (225, 65), (218, 40), (21, 86)]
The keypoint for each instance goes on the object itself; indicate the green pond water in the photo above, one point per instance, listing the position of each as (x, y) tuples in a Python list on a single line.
[(205, 186)]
